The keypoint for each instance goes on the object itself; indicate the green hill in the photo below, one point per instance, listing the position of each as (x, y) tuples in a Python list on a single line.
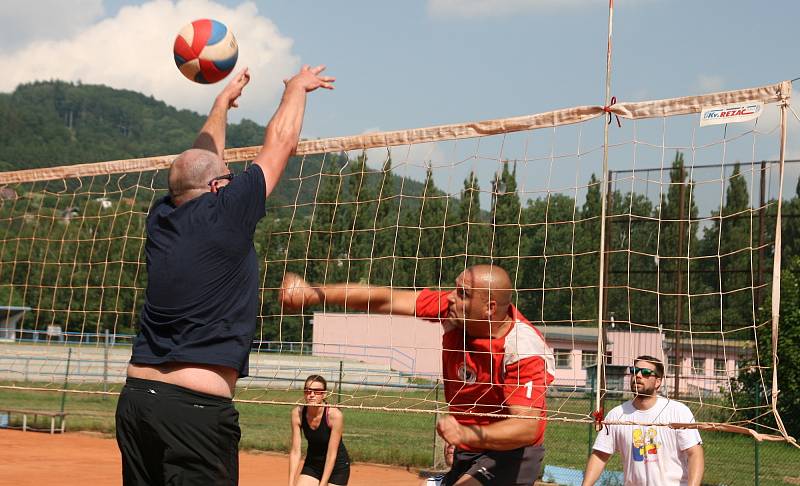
[(55, 123)]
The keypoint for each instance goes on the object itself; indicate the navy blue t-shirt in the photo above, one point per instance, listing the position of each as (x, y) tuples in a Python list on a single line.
[(201, 301)]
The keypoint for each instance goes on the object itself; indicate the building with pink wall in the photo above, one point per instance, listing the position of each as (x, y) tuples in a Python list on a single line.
[(406, 344), (413, 346)]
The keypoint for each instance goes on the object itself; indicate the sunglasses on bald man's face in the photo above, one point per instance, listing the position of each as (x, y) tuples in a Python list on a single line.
[(226, 177), (646, 372)]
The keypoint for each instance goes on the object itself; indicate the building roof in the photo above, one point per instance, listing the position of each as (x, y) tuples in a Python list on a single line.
[(569, 333)]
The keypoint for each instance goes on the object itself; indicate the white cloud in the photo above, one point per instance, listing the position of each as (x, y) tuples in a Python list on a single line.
[(24, 21), (709, 83), (497, 8), (133, 50)]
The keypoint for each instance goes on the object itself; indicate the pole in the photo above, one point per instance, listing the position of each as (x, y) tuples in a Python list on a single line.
[(435, 420), (339, 387), (603, 209), (757, 472), (762, 225), (105, 365), (756, 452), (591, 428), (66, 382), (679, 287)]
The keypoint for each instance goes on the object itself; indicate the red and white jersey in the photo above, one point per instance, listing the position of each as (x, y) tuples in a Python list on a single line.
[(486, 375)]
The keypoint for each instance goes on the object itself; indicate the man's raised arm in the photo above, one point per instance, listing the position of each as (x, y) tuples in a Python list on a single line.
[(296, 292), (212, 135), (283, 130)]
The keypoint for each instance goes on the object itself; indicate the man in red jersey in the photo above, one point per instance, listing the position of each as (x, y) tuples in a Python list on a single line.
[(495, 363)]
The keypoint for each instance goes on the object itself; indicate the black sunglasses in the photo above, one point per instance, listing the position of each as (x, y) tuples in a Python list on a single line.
[(646, 372), (228, 177)]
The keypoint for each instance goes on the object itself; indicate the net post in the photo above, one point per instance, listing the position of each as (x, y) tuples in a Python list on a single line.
[(603, 210), (776, 262)]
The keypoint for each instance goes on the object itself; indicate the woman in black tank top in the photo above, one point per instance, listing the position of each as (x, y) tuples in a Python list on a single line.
[(327, 461)]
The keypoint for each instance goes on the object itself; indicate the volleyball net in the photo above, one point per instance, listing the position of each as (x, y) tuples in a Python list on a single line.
[(664, 241)]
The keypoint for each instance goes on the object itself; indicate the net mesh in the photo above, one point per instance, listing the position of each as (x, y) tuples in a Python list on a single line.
[(689, 242)]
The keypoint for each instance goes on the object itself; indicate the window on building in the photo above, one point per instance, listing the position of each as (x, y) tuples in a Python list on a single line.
[(719, 367), (699, 366), (588, 358), (563, 358), (672, 365)]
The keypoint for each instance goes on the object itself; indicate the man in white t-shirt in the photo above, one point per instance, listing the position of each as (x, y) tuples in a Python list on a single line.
[(652, 455)]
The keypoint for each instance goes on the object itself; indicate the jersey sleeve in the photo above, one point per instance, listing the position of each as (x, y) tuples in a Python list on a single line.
[(243, 201), (432, 304), (525, 383)]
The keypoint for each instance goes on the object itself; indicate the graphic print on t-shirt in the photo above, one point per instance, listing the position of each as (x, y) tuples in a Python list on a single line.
[(645, 444)]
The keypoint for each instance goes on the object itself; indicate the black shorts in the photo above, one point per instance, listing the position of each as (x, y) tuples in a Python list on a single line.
[(170, 435), (518, 467), (340, 474)]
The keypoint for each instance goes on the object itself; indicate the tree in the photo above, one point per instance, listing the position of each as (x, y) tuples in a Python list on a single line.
[(677, 239), (431, 241), (505, 219), (469, 232), (728, 270), (748, 390), (384, 236)]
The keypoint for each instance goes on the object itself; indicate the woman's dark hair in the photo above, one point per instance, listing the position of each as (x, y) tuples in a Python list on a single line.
[(316, 379)]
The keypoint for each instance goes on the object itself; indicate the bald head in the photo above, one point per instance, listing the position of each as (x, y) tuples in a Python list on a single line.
[(491, 281), (190, 172)]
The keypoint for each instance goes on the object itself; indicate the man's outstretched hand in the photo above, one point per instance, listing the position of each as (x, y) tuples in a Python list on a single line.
[(233, 90), (310, 79), (295, 292)]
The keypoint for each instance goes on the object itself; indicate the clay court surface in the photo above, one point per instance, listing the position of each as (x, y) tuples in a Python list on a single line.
[(72, 459)]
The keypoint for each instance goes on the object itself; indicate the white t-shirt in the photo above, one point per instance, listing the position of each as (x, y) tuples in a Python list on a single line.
[(651, 455)]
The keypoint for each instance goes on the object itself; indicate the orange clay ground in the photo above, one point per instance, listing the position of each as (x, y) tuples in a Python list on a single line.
[(72, 459)]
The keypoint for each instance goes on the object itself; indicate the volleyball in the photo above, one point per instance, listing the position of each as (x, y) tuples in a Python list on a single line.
[(205, 51)]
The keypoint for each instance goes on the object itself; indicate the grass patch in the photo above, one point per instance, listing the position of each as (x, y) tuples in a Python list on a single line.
[(406, 439)]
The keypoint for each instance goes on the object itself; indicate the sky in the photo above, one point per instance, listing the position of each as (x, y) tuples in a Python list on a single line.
[(413, 63)]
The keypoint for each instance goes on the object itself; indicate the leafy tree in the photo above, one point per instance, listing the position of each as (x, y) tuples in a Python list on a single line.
[(430, 243), (469, 232), (748, 389), (728, 269), (677, 239), (384, 238), (505, 220)]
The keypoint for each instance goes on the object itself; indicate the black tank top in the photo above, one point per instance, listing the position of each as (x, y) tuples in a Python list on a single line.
[(318, 440)]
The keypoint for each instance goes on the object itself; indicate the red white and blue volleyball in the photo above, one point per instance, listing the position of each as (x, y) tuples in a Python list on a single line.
[(205, 51)]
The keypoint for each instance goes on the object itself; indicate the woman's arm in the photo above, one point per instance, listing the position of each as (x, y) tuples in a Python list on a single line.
[(294, 452), (336, 422)]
